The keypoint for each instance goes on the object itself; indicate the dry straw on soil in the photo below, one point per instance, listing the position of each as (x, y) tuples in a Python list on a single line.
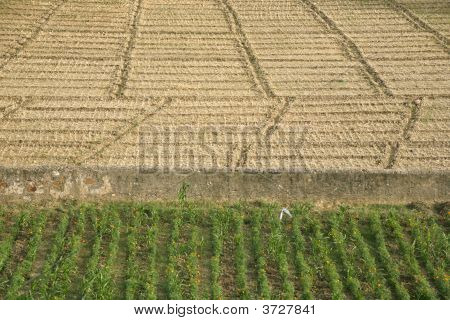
[(266, 85)]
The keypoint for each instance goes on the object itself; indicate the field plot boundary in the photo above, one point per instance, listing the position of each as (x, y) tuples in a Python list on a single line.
[(267, 127), (135, 122), (419, 23), (374, 77), (327, 186), (406, 135), (236, 27), (24, 42), (124, 70)]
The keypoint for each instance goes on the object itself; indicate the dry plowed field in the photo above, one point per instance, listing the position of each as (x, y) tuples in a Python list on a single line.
[(257, 85)]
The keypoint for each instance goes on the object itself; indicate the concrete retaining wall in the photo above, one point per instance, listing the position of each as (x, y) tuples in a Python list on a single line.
[(383, 186)]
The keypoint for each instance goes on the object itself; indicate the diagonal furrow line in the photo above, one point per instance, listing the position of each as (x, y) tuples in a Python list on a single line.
[(124, 130), (120, 83), (419, 23), (375, 78), (406, 135), (235, 26), (266, 129), (25, 42)]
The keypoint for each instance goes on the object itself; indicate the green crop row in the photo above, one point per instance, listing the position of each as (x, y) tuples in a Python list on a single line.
[(303, 269), (422, 287), (131, 274), (278, 249), (193, 272), (185, 251), (172, 271), (264, 291), (91, 278), (105, 286), (339, 242), (41, 285), (240, 258), (62, 278), (319, 247), (6, 245), (437, 273), (150, 277), (387, 262), (24, 267), (217, 248), (368, 263)]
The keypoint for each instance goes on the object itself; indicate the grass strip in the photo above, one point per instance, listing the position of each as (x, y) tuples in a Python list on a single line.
[(263, 287), (22, 270), (217, 230), (277, 249), (321, 249), (240, 258), (41, 286), (391, 267), (421, 249), (173, 278), (66, 268), (422, 287), (339, 243), (369, 267), (302, 267)]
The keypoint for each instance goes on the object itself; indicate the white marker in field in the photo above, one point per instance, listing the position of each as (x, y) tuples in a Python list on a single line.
[(283, 211)]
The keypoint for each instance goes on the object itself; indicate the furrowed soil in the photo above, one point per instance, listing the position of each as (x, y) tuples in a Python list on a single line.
[(113, 257), (226, 85)]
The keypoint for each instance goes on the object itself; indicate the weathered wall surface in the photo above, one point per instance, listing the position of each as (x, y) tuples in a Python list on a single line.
[(327, 187)]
